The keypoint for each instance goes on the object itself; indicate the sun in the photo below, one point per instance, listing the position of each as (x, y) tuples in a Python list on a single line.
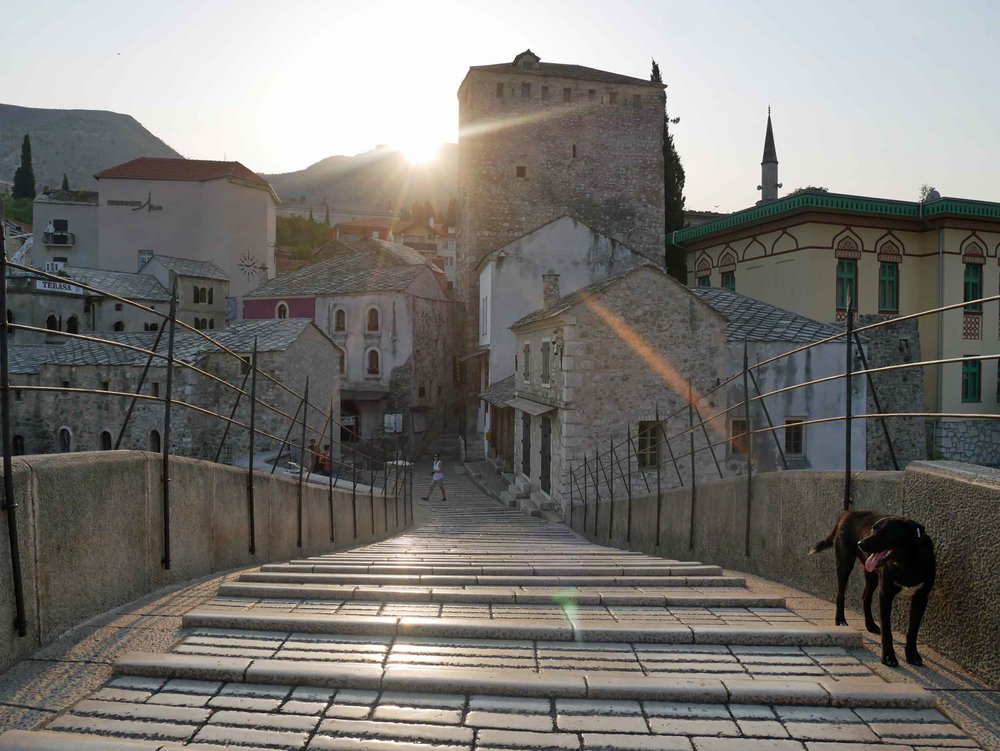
[(419, 148)]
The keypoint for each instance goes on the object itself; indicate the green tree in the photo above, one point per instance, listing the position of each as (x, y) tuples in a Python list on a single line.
[(65, 183), (673, 193), (24, 176), (809, 189), (310, 215)]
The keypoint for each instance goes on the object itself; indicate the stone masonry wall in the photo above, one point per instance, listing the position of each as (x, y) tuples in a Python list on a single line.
[(972, 441), (597, 161)]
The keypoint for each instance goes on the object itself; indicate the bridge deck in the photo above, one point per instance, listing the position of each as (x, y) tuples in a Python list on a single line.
[(485, 629)]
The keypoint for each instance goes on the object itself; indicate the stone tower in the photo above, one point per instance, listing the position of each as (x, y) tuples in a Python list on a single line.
[(769, 167), (538, 141)]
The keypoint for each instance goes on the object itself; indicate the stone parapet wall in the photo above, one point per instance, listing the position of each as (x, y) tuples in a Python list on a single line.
[(959, 504), (975, 441), (90, 531)]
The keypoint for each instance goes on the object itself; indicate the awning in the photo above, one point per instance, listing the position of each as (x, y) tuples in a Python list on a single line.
[(474, 354), (532, 408)]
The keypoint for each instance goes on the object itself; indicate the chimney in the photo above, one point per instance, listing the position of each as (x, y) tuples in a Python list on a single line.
[(46, 190), (550, 288)]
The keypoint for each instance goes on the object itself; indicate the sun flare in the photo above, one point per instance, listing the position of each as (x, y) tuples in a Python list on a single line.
[(420, 148)]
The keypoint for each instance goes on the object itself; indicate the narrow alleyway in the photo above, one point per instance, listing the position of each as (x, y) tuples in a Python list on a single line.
[(482, 628)]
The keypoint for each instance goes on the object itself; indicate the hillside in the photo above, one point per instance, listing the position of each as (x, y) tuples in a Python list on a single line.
[(77, 142), (377, 179)]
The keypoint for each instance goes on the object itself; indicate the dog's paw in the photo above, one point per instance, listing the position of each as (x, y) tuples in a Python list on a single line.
[(890, 660), (841, 621), (914, 658), (873, 629)]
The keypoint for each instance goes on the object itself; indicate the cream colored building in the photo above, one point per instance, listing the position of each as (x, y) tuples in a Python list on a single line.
[(810, 251)]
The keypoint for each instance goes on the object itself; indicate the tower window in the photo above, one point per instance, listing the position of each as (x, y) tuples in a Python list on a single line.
[(545, 92), (574, 151), (613, 97), (636, 100), (340, 321), (525, 90), (521, 171), (591, 95), (567, 94)]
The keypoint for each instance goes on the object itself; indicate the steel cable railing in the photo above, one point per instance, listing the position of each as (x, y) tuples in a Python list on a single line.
[(585, 475), (353, 459)]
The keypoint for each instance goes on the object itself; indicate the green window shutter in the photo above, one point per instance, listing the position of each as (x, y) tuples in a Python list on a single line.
[(888, 288), (705, 281), (729, 280), (973, 287), (971, 380), (847, 280)]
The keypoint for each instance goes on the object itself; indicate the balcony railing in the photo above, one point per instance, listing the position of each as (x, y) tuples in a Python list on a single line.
[(59, 238)]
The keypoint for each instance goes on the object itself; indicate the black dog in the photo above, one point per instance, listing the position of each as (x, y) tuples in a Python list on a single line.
[(898, 556)]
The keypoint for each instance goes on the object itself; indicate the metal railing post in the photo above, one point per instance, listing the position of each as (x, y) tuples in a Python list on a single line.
[(333, 521), (138, 389), (302, 461), (708, 442), (284, 441), (878, 404), (611, 489), (628, 482), (585, 482), (9, 502), (748, 441), (770, 422), (354, 497), (232, 414), (849, 407), (659, 492), (167, 401), (694, 481), (371, 482), (251, 510)]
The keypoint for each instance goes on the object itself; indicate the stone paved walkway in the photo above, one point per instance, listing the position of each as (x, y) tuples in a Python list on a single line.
[(484, 629)]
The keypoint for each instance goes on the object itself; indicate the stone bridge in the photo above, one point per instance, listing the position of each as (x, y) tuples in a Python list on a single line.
[(481, 628)]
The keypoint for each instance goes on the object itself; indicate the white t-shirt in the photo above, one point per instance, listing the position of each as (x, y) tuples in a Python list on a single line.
[(438, 470)]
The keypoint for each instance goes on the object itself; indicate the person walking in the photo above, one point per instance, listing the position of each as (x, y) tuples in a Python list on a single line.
[(326, 461), (437, 478)]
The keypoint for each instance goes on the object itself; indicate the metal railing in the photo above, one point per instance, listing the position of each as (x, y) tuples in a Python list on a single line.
[(586, 489), (361, 461)]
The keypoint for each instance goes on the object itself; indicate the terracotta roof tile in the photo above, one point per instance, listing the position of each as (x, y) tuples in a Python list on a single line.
[(197, 170)]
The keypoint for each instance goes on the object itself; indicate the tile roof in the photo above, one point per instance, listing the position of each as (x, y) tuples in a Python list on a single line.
[(122, 283), (88, 197), (359, 266), (561, 70), (573, 299), (758, 321), (189, 267), (194, 170), (500, 393), (272, 336)]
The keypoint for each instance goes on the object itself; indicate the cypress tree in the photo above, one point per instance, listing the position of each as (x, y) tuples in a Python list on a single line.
[(673, 193), (310, 215), (65, 183), (24, 176), (327, 220)]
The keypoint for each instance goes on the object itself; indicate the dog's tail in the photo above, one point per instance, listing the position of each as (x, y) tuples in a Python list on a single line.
[(824, 544)]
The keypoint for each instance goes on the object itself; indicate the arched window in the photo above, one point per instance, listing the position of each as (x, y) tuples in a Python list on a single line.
[(281, 311), (73, 325), (19, 445), (154, 326), (343, 363), (199, 323), (65, 440), (202, 294), (373, 362), (10, 319), (154, 440), (52, 322), (210, 295), (105, 440), (372, 320), (340, 321), (119, 326), (211, 323)]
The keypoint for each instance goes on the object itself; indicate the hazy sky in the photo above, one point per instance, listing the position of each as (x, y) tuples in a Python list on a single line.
[(873, 98)]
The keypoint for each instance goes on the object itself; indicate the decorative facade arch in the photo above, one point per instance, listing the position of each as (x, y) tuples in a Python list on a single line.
[(784, 243), (754, 249), (847, 245), (973, 250), (727, 261), (52, 322), (889, 248)]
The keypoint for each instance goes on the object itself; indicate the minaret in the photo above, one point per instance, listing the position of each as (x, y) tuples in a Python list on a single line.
[(769, 167)]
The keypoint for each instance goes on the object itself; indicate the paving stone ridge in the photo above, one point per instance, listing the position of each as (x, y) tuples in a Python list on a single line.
[(482, 629)]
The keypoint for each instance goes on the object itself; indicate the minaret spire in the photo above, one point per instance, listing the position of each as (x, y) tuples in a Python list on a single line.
[(769, 166)]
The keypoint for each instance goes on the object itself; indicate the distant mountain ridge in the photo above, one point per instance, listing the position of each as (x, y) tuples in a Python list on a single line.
[(378, 179), (77, 142)]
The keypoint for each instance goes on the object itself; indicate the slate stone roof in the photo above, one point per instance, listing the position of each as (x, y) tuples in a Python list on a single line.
[(272, 336), (359, 266), (189, 267), (562, 70), (500, 393), (140, 287), (757, 321), (88, 197)]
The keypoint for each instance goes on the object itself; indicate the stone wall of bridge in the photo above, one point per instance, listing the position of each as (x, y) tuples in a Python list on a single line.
[(90, 528), (959, 505)]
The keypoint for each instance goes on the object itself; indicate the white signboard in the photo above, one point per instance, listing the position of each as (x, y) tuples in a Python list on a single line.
[(46, 285), (393, 423)]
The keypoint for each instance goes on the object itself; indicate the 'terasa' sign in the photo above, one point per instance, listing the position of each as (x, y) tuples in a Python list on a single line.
[(136, 205), (46, 285)]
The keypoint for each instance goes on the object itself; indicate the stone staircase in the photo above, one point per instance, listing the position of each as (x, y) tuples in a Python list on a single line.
[(483, 628)]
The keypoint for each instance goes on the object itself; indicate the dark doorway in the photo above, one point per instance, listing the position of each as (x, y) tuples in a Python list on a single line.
[(526, 444), (546, 450)]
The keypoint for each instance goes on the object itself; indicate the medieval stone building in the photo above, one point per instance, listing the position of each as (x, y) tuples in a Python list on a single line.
[(538, 141)]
